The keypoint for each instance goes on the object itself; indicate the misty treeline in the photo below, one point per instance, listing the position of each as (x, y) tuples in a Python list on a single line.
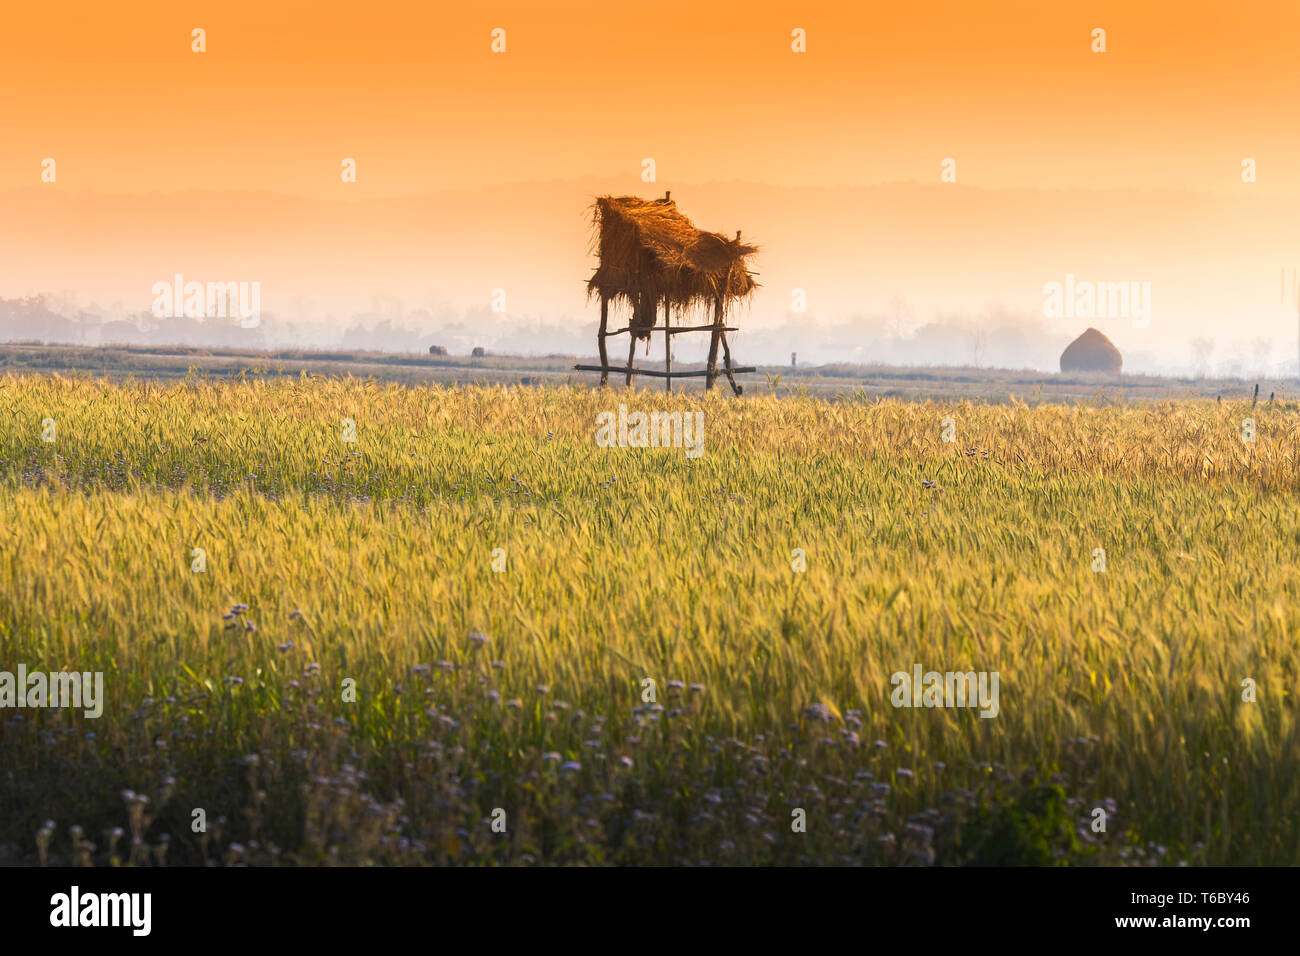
[(52, 320), (994, 339)]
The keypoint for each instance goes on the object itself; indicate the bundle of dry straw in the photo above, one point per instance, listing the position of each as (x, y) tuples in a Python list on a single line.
[(650, 253)]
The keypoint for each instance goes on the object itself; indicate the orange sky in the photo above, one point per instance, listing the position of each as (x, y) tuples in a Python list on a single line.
[(710, 90), (1035, 121)]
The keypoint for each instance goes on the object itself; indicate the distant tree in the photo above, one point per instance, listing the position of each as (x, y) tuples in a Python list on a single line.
[(901, 321), (1263, 351), (1202, 348), (979, 342)]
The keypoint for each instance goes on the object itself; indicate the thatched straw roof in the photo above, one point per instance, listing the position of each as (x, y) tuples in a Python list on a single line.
[(649, 251)]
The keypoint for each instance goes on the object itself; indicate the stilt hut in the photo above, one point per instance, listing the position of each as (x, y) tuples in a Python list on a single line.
[(653, 262)]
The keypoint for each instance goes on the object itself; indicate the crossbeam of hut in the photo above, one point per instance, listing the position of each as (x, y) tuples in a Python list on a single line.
[(657, 373), (673, 329)]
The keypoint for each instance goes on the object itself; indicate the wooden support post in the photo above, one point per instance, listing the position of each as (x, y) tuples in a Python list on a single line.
[(604, 355), (713, 343), (668, 345), (640, 303), (726, 352), (631, 350)]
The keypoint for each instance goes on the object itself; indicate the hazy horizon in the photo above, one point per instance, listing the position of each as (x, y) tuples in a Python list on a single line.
[(926, 255), (910, 167)]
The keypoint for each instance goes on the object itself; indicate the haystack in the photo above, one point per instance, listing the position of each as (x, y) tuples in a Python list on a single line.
[(1092, 352)]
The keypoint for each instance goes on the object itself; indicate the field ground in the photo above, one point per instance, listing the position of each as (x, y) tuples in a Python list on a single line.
[(159, 363), (350, 678)]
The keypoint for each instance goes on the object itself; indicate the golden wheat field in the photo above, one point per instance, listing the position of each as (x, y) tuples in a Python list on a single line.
[(474, 635)]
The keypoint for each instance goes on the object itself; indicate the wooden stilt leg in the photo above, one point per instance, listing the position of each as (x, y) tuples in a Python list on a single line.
[(604, 354), (631, 337), (668, 348), (726, 353), (713, 344)]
